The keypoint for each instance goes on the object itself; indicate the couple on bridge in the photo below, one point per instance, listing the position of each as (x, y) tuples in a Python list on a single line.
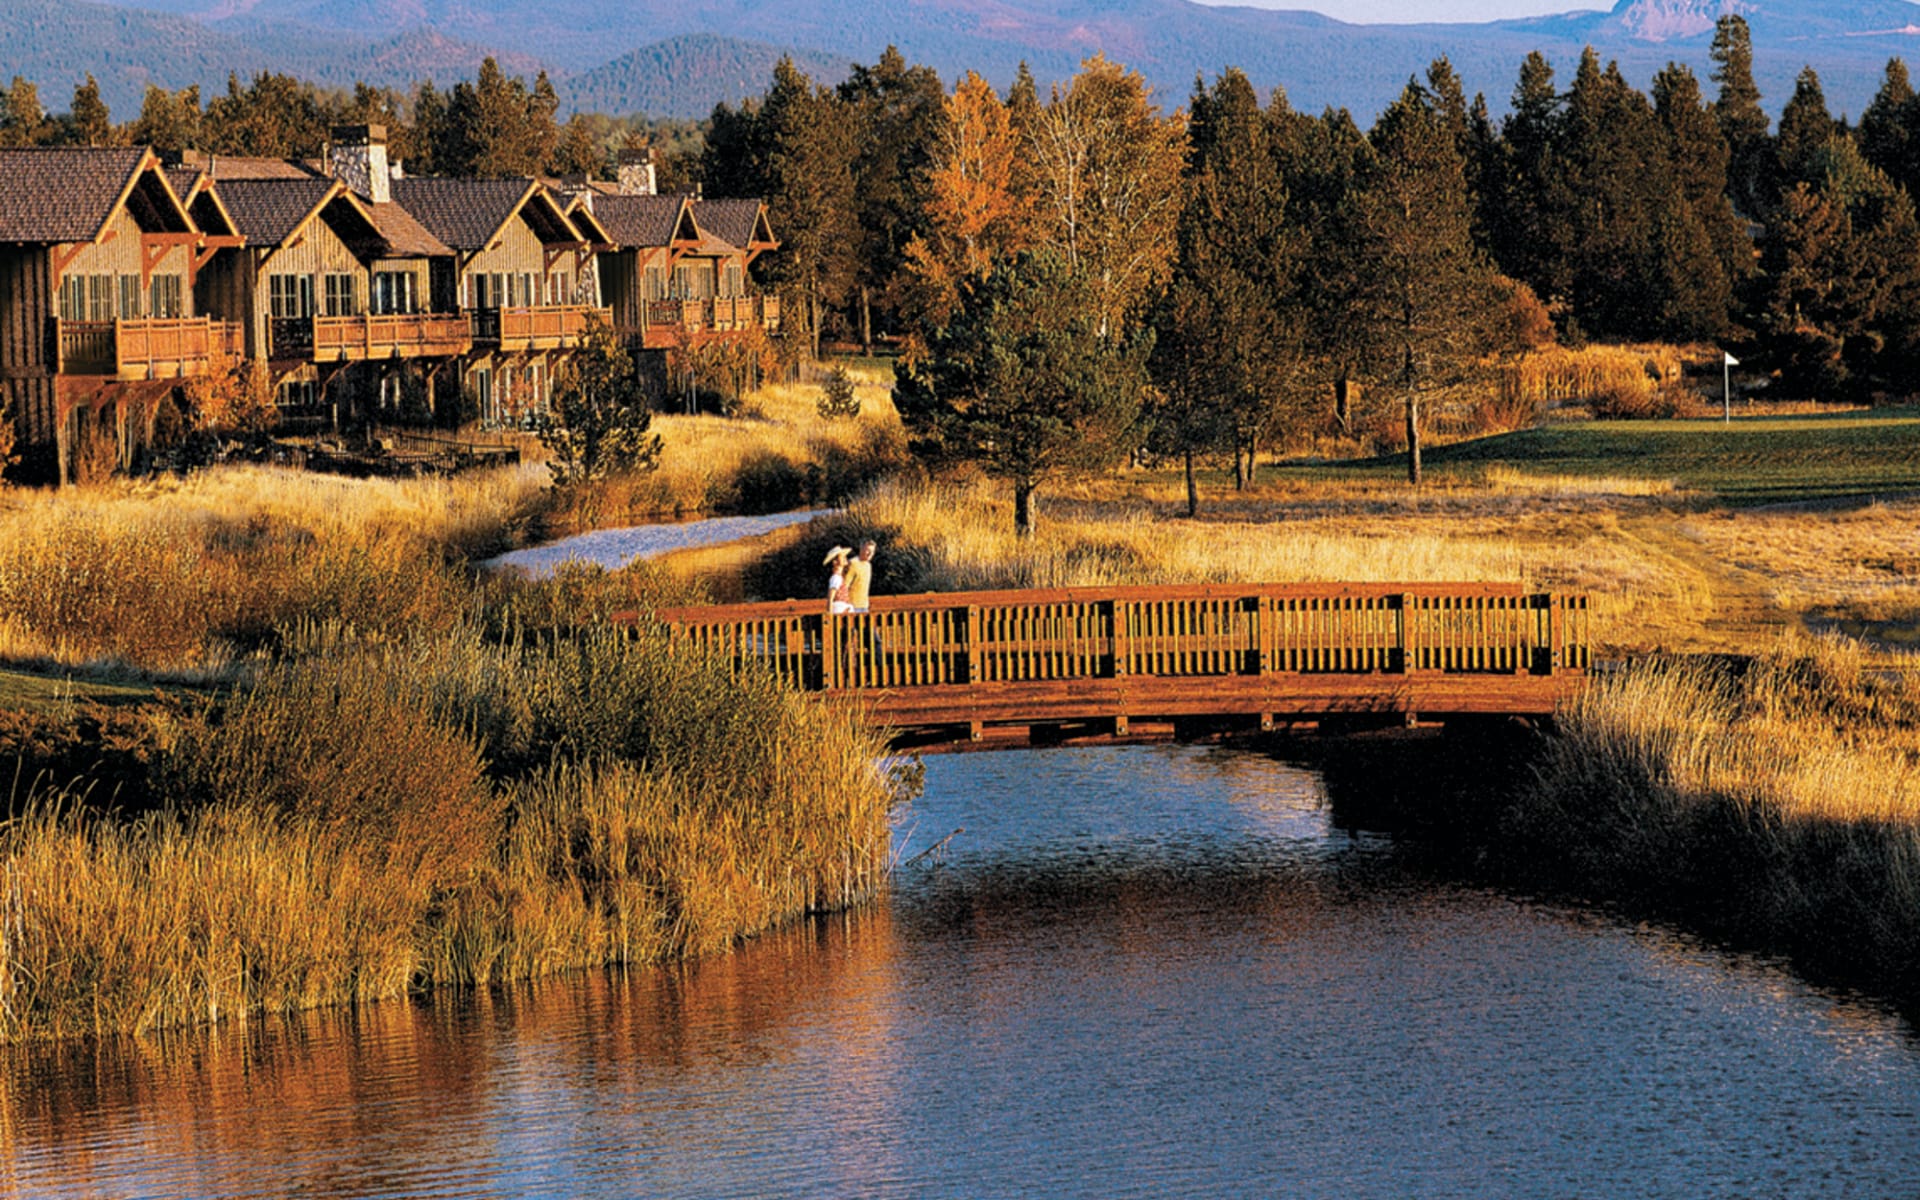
[(851, 578)]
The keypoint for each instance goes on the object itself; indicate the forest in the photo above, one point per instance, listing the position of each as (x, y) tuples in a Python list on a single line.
[(1076, 274)]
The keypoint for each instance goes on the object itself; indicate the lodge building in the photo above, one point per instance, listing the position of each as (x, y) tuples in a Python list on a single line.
[(365, 294)]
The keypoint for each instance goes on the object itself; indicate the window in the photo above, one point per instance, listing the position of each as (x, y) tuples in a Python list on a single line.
[(656, 283), (390, 393), (393, 292), (557, 289), (290, 295), (734, 287), (340, 296), (297, 393), (683, 282), (530, 288), (100, 297), (483, 396), (165, 295), (537, 398), (130, 297), (73, 298)]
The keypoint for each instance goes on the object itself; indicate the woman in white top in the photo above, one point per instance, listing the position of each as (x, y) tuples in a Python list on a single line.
[(837, 582)]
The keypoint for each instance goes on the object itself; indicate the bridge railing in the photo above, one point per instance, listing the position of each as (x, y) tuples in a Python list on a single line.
[(975, 638)]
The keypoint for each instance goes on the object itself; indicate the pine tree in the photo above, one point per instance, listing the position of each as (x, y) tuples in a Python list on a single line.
[(431, 131), (168, 121), (88, 123), (1805, 127), (807, 138), (1423, 296), (1229, 343), (600, 425), (497, 128), (276, 116), (1699, 156), (1529, 235), (1742, 122), (897, 113), (1024, 382), (1889, 126), (22, 121)]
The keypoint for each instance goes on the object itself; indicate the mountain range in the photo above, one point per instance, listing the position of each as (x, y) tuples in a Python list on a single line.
[(680, 57)]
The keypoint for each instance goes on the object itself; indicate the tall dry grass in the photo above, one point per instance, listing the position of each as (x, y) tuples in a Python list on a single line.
[(779, 453), (1610, 380), (184, 575), (1778, 799), (438, 810)]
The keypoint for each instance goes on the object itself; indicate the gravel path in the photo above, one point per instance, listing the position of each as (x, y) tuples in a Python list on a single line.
[(615, 548)]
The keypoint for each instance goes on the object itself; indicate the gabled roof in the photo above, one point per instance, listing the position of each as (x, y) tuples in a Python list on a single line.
[(644, 222), (70, 193), (405, 236), (741, 223), (196, 191), (269, 212), (467, 214)]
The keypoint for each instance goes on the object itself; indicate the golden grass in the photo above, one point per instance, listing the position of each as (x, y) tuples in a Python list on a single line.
[(657, 806), (1623, 379)]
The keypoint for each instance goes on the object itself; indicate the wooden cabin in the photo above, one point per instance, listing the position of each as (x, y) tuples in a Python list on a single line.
[(672, 279), (346, 298), (526, 276), (99, 260)]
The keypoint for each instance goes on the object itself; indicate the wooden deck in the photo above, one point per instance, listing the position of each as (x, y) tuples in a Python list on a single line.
[(1137, 663)]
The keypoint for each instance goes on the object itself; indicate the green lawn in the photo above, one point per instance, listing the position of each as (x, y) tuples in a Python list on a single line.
[(27, 691), (1752, 460)]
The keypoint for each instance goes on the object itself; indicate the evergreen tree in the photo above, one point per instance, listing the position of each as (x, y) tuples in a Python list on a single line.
[(1742, 122), (1024, 382), (497, 128), (168, 121), (600, 425), (897, 113), (276, 116), (22, 121), (1423, 297), (1889, 126), (578, 152), (430, 132), (1323, 163), (1228, 344), (1699, 156), (87, 123), (1841, 278), (808, 140), (1527, 218), (1805, 127)]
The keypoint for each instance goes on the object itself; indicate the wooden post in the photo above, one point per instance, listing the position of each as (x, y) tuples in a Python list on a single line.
[(1407, 648), (973, 645), (828, 654), (1118, 645), (1556, 635), (1263, 631)]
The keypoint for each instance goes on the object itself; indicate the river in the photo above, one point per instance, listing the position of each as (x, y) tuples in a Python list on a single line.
[(1141, 971)]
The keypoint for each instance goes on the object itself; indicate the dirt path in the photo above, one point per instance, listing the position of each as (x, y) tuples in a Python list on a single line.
[(1742, 612)]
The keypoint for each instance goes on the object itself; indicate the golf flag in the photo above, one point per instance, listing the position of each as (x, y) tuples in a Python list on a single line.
[(1731, 360)]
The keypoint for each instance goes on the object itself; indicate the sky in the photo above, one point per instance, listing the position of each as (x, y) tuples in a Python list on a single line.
[(1411, 12)]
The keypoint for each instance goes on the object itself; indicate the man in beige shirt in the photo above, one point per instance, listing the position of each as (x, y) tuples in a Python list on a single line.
[(860, 577)]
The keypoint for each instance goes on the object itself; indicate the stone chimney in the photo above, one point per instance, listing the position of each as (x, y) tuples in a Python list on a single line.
[(358, 158), (636, 172)]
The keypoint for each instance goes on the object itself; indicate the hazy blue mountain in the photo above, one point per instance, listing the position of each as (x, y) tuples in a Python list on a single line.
[(612, 54)]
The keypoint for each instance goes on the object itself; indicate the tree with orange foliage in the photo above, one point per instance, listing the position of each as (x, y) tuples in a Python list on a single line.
[(977, 213), (234, 396)]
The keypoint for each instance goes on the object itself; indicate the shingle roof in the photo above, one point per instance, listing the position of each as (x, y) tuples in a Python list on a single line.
[(267, 211), (225, 167), (405, 236), (463, 213), (730, 220), (637, 222), (62, 194)]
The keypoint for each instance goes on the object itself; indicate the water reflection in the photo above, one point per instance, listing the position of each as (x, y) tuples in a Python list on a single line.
[(1139, 972)]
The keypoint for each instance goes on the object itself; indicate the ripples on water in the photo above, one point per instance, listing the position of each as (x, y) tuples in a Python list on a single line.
[(1138, 972)]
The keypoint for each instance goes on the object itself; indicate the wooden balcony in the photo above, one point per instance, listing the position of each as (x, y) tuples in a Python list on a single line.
[(666, 324), (367, 337), (536, 327), (395, 335), (147, 348)]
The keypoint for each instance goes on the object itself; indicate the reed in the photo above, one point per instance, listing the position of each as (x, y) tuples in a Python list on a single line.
[(446, 809), (1610, 380), (1778, 800)]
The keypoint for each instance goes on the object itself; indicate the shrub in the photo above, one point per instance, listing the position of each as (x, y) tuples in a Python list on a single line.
[(839, 399)]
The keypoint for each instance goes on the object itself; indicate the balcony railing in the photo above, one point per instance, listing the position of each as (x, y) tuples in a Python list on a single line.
[(395, 335), (145, 348), (668, 323), (369, 336), (536, 327)]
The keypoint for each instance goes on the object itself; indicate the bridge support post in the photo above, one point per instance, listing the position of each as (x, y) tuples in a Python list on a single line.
[(1120, 725), (1556, 635), (1118, 644), (829, 652), (973, 650)]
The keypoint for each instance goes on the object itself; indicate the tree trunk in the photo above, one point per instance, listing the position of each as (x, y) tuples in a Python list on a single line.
[(866, 320), (1193, 491), (1345, 390), (1023, 507), (813, 322), (1413, 439), (1239, 470)]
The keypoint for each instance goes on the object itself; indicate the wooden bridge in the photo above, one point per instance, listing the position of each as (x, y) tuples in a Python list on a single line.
[(963, 669)]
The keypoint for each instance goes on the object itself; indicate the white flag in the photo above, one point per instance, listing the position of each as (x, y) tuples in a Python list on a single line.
[(1731, 360)]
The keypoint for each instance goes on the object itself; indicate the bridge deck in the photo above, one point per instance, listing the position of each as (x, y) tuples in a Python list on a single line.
[(1116, 662)]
